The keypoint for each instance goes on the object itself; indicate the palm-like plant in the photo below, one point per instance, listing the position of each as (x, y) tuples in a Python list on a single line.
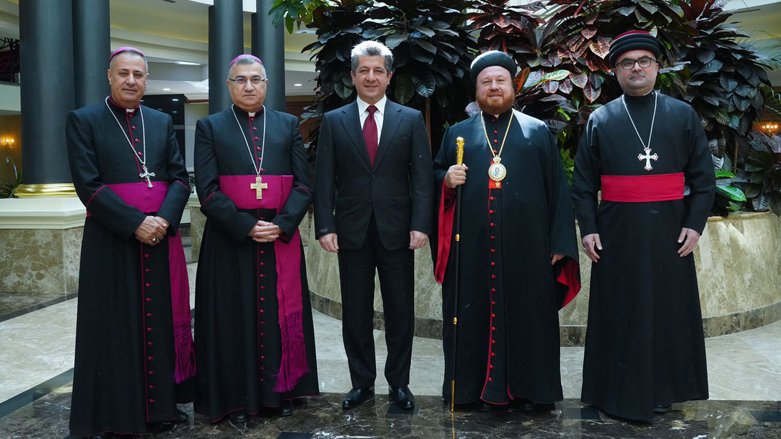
[(432, 51)]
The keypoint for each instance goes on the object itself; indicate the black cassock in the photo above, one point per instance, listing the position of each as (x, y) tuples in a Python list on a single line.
[(644, 344), (125, 355), (509, 295), (237, 332)]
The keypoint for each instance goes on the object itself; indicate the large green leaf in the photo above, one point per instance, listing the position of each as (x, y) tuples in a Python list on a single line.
[(731, 192), (424, 82), (403, 89), (394, 40)]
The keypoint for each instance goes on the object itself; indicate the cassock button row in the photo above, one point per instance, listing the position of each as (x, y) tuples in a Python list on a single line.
[(134, 127), (262, 288), (255, 128), (149, 314), (262, 251), (257, 147), (262, 311), (149, 329), (148, 284), (262, 275), (493, 316), (262, 346), (257, 138), (496, 132), (493, 341), (262, 263), (262, 357), (151, 386), (493, 251), (493, 237), (493, 354), (491, 212), (492, 224), (151, 372), (493, 276), (493, 198), (262, 323), (147, 270), (261, 380), (151, 400), (262, 334), (150, 358), (149, 343), (493, 303), (493, 328), (490, 379), (140, 153), (262, 299), (491, 366), (493, 290), (148, 299), (493, 263), (136, 140)]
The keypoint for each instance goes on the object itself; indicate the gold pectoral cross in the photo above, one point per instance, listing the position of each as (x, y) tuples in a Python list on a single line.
[(259, 186)]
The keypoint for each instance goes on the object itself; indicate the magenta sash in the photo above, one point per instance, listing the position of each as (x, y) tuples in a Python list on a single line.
[(237, 187), (147, 200)]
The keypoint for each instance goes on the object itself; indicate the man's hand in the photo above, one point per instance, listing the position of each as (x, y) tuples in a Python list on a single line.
[(689, 238), (265, 232), (456, 175), (162, 221), (329, 243), (151, 231), (592, 243), (556, 258), (417, 240)]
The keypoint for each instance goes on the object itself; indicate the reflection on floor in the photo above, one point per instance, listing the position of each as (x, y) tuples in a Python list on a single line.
[(323, 417), (36, 361)]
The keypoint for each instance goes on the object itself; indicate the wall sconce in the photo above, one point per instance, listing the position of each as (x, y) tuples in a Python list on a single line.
[(771, 128)]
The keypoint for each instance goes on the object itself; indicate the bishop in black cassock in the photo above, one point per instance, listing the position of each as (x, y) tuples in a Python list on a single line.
[(644, 346), (518, 249), (133, 336), (253, 323)]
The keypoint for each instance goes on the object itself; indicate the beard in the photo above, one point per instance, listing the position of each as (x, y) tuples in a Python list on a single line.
[(496, 106)]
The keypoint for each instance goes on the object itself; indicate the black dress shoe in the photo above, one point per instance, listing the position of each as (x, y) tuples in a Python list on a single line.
[(181, 416), (660, 409), (485, 407), (402, 397), (356, 397), (239, 417), (285, 408), (524, 404)]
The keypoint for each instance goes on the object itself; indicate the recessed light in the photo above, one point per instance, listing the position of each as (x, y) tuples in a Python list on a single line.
[(159, 109), (166, 89), (175, 99), (187, 63), (174, 111), (297, 85)]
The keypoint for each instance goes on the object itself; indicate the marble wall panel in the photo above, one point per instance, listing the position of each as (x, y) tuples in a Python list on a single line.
[(35, 261), (197, 223), (738, 269)]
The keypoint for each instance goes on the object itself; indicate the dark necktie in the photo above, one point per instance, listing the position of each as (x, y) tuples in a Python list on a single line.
[(370, 133)]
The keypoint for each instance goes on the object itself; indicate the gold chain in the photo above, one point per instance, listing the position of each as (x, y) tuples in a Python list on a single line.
[(482, 120)]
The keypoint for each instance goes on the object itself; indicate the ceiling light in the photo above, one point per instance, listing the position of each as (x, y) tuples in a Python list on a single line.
[(166, 89), (297, 85), (174, 111), (187, 63), (175, 100)]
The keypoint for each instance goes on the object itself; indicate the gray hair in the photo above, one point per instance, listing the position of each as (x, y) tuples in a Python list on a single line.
[(246, 60), (371, 48), (130, 51)]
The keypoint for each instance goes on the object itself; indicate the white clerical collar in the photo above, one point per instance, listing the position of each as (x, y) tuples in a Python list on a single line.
[(252, 114), (362, 106)]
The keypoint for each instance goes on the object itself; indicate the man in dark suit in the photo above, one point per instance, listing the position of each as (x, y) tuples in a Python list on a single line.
[(374, 169)]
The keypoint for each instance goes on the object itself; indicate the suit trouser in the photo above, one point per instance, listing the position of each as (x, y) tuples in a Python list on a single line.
[(356, 275)]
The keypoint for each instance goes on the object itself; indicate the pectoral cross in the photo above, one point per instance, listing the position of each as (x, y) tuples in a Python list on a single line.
[(259, 186), (146, 174), (647, 157)]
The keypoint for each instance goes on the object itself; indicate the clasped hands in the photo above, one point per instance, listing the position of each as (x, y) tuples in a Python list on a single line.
[(265, 231), (152, 230)]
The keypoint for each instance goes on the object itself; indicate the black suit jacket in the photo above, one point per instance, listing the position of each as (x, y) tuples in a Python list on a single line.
[(398, 189)]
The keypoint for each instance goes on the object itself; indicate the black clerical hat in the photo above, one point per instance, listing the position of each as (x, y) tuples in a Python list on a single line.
[(492, 58), (633, 40)]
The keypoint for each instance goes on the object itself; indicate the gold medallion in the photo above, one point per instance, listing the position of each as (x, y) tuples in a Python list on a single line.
[(497, 171)]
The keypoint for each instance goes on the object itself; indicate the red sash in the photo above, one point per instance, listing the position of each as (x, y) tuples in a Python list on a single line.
[(147, 200), (237, 188), (642, 188)]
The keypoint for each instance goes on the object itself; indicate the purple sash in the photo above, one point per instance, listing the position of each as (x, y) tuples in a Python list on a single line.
[(147, 200), (237, 187)]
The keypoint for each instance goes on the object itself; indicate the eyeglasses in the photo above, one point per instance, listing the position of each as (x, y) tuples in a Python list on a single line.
[(241, 80), (629, 63)]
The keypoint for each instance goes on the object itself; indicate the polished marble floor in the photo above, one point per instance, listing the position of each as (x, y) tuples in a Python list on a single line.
[(36, 360)]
